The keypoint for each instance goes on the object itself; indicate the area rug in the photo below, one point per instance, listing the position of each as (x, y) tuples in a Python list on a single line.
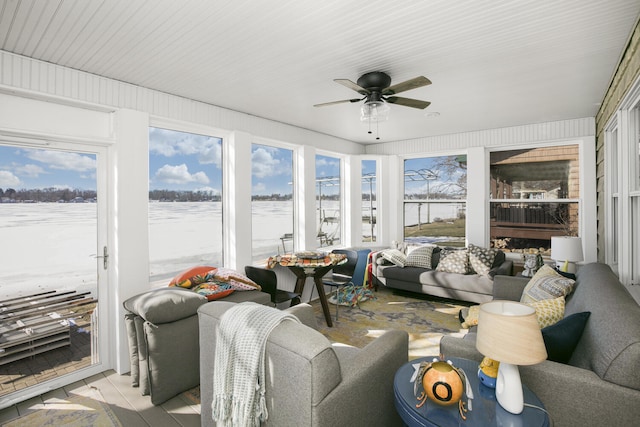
[(75, 411), (192, 395), (426, 320)]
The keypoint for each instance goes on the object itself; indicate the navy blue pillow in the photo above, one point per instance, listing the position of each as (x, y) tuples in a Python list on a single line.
[(562, 337)]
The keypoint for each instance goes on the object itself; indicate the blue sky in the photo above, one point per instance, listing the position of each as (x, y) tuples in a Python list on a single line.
[(177, 161), (34, 168)]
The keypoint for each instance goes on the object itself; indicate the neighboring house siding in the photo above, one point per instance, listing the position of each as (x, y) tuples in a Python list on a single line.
[(626, 74)]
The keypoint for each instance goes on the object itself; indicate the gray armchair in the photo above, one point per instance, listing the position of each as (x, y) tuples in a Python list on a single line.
[(309, 381)]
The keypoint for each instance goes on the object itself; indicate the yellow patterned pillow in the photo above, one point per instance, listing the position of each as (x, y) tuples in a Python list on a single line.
[(546, 284), (548, 311)]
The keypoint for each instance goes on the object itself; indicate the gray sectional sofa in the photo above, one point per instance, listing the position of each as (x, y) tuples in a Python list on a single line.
[(162, 326), (464, 287), (600, 384)]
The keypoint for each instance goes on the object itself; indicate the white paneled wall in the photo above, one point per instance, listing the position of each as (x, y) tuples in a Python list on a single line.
[(42, 77), (515, 135)]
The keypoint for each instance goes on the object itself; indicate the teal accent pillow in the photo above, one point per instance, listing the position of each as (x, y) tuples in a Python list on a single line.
[(562, 337)]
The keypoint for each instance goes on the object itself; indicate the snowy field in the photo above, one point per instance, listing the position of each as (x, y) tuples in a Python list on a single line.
[(44, 245)]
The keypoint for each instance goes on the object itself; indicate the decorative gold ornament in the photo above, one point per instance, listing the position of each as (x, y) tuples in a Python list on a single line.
[(441, 382)]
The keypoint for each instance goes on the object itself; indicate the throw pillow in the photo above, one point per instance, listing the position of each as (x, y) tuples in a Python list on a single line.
[(546, 284), (394, 256), (454, 261), (562, 338), (472, 317), (420, 257), (191, 277), (548, 311), (238, 281), (481, 259), (213, 291)]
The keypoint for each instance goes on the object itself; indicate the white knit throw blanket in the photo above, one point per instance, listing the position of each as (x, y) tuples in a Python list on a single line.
[(239, 374)]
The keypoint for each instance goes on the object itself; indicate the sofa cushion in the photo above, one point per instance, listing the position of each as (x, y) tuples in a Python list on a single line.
[(454, 261), (561, 338), (420, 257), (394, 256), (165, 304), (481, 259), (546, 284)]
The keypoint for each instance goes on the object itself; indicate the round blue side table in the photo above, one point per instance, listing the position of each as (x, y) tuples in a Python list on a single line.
[(484, 410)]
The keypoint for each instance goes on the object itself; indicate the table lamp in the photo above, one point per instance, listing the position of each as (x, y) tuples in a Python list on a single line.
[(566, 251), (509, 332)]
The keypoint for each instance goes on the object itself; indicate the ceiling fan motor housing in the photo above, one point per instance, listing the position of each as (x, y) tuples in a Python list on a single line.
[(374, 81)]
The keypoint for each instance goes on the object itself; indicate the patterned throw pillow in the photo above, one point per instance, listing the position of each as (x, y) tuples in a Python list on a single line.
[(192, 277), (546, 284), (420, 257), (394, 256), (548, 311), (454, 261), (213, 291), (481, 259), (238, 281)]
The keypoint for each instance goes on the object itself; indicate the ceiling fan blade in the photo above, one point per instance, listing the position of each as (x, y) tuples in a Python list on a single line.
[(338, 102), (351, 85), (407, 85), (408, 102)]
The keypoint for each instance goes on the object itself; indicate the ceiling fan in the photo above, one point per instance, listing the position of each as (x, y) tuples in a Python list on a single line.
[(375, 87)]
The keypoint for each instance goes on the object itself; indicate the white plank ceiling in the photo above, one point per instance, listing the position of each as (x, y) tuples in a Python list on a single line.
[(493, 63)]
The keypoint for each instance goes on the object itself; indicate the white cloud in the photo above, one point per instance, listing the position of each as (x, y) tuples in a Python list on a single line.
[(63, 160), (180, 175), (169, 143), (9, 180), (32, 171), (259, 187), (263, 164)]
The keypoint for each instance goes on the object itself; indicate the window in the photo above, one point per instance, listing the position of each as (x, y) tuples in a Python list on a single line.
[(271, 200), (185, 204), (328, 200), (369, 201), (535, 194), (435, 192)]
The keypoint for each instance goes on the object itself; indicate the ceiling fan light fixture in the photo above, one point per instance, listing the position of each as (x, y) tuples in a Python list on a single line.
[(374, 111)]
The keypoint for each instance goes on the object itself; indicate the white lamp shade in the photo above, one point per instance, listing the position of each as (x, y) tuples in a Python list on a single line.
[(566, 248), (509, 332)]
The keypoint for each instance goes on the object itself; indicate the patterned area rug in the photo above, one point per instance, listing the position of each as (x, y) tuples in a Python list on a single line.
[(426, 319), (75, 411)]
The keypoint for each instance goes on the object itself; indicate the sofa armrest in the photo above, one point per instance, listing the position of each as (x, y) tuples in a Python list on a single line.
[(371, 368), (304, 312), (509, 287), (504, 269), (575, 396), (464, 348)]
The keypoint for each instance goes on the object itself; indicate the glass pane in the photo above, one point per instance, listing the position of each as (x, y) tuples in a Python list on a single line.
[(369, 201), (328, 200), (271, 201), (430, 178), (523, 226), (441, 181), (536, 173), (430, 222), (635, 239), (49, 292), (185, 202)]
